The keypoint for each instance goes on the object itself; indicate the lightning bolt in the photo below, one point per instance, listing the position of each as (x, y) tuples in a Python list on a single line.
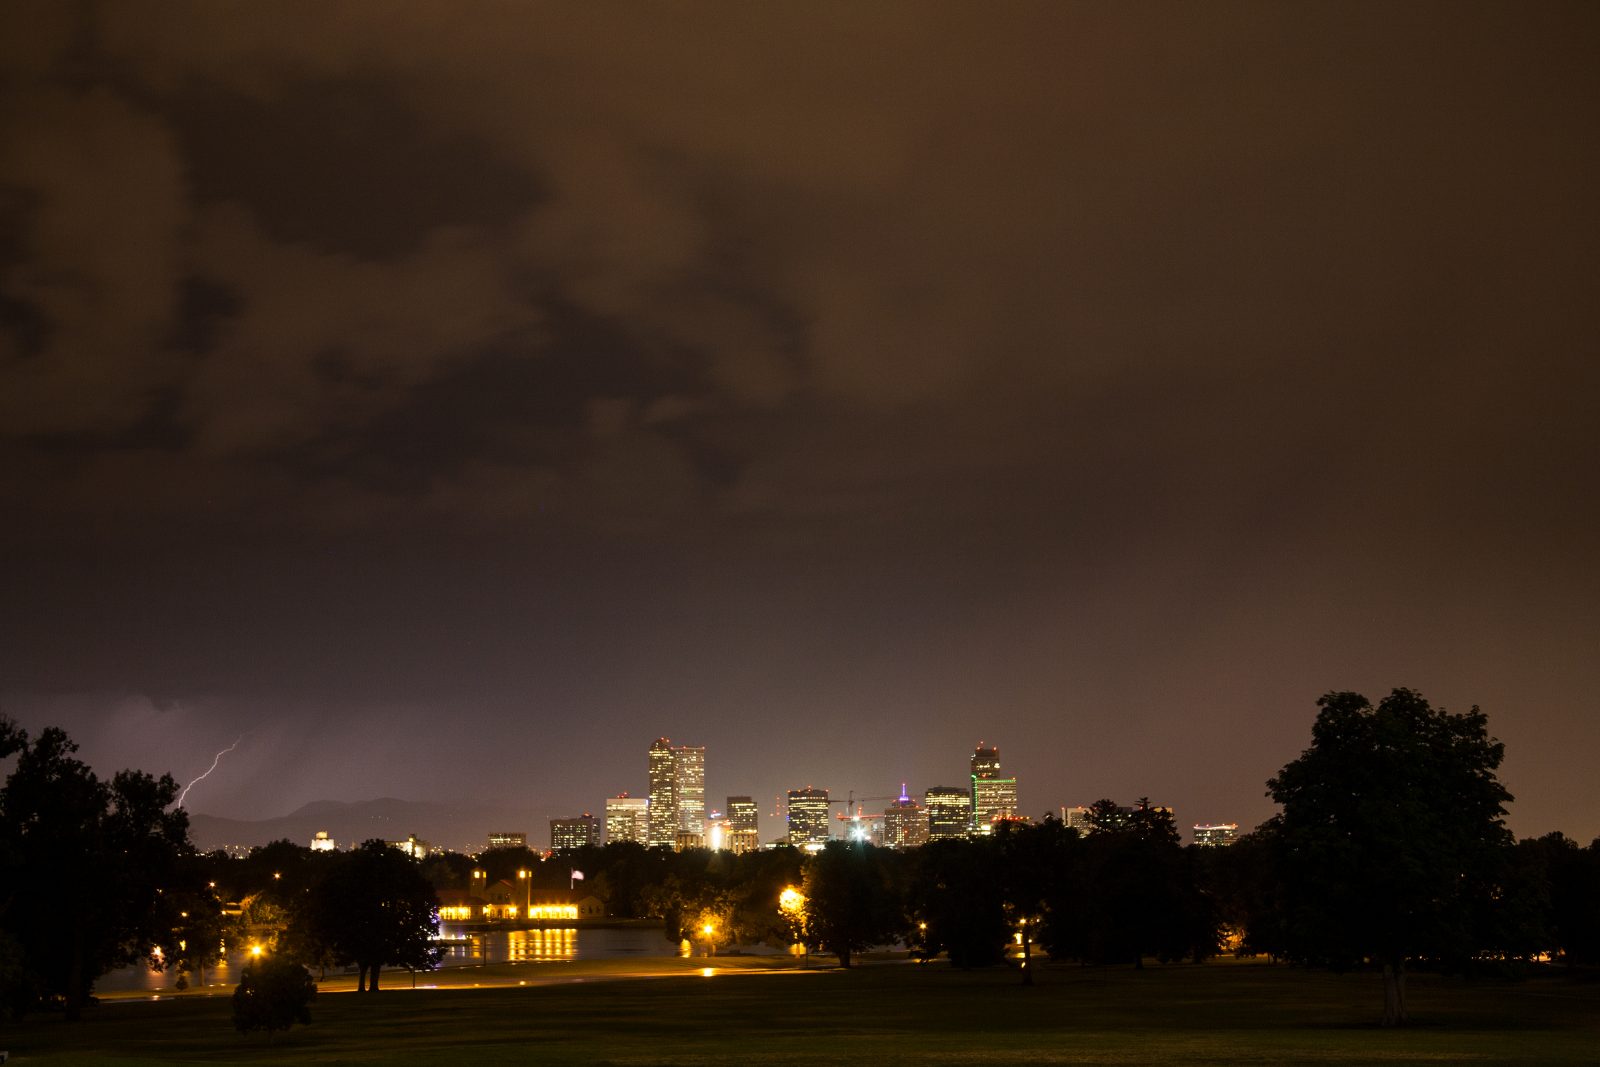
[(216, 760)]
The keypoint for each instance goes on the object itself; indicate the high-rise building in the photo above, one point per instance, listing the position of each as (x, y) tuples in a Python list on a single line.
[(949, 812), (663, 817), (905, 823), (744, 825), (508, 839), (1076, 818), (689, 772), (413, 846), (627, 819), (993, 795), (1215, 835), (1115, 819), (576, 832), (808, 817), (677, 794)]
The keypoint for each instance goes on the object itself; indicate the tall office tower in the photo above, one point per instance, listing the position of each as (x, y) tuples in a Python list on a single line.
[(663, 794), (1076, 818), (993, 796), (576, 832), (744, 834), (627, 819), (905, 824), (508, 839), (689, 773), (1215, 835), (949, 812), (808, 817)]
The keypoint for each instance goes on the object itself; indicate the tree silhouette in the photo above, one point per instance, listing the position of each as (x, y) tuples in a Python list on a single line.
[(273, 994), (851, 899), (1390, 836), (85, 862), (374, 909)]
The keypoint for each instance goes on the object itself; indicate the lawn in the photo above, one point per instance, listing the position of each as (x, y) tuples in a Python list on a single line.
[(878, 1015)]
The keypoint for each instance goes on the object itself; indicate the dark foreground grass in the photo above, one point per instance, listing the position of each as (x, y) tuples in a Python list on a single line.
[(877, 1015)]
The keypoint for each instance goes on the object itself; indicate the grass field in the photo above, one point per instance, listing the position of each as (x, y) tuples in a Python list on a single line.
[(877, 1015)]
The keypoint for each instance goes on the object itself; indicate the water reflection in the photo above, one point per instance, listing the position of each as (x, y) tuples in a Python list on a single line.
[(463, 947), (538, 945)]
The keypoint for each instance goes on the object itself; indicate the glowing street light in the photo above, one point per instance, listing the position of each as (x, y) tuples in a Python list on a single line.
[(792, 906), (710, 931)]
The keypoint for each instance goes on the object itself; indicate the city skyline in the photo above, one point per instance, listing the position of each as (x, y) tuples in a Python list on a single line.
[(430, 405)]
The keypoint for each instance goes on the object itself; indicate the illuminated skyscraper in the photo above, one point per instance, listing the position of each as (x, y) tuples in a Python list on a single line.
[(576, 832), (808, 817), (663, 817), (1077, 818), (627, 819), (1215, 835), (508, 839), (949, 812), (744, 834), (993, 797), (677, 794), (689, 771), (905, 823)]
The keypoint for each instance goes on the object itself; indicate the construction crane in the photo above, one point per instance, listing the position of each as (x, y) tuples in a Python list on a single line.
[(856, 832)]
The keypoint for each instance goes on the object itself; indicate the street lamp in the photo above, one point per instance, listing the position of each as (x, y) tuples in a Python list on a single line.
[(792, 906), (525, 876), (711, 946)]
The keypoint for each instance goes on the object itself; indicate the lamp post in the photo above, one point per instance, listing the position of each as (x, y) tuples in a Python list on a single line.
[(792, 905), (710, 931), (478, 888), (525, 876), (1027, 956)]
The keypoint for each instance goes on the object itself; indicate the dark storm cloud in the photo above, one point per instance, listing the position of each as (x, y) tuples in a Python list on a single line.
[(1101, 372)]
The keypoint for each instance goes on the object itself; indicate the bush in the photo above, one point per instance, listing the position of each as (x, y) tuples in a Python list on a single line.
[(273, 994)]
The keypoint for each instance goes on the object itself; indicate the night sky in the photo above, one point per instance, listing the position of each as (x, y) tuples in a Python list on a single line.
[(451, 398)]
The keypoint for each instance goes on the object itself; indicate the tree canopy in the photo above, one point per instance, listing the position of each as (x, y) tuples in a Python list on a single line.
[(273, 994), (373, 909), (1391, 835), (852, 900), (85, 865)]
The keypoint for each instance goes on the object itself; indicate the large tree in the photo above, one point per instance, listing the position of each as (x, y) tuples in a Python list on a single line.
[(1138, 892), (1391, 835), (85, 864), (852, 899), (374, 909), (957, 895)]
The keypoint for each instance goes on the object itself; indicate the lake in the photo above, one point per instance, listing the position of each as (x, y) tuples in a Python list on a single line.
[(464, 947)]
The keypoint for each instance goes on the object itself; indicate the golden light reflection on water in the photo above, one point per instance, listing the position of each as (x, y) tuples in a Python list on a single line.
[(531, 946)]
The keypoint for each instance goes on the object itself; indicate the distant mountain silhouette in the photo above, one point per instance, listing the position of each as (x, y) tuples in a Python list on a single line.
[(457, 827)]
